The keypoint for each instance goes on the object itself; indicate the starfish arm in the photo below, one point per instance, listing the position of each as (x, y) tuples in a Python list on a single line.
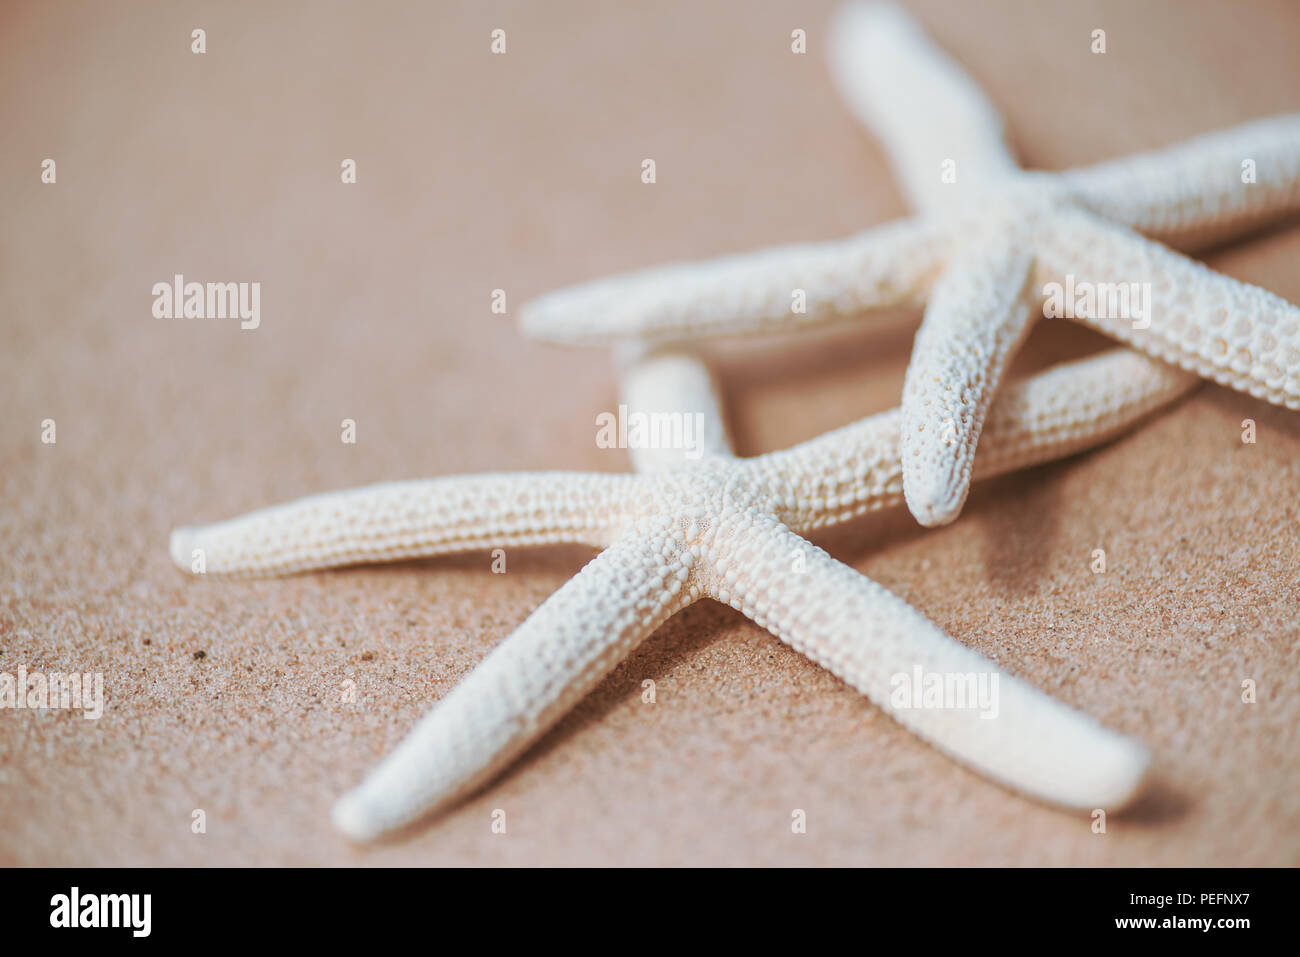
[(415, 519), (1231, 332), (942, 134), (770, 289), (1075, 406), (560, 652), (678, 385), (1205, 191), (880, 645), (977, 318), (1051, 415)]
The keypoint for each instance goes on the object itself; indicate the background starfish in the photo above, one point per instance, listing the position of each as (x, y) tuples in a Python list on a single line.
[(721, 528), (981, 256)]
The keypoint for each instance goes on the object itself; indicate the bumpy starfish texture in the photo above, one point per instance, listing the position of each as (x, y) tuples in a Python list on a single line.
[(719, 527), (991, 238)]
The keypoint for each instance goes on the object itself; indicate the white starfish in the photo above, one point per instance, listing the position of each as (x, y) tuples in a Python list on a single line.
[(981, 257), (722, 528)]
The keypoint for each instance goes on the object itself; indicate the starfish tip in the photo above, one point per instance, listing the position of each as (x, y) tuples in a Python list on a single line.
[(935, 503), (352, 817), (540, 318), (529, 318), (180, 546), (1130, 776)]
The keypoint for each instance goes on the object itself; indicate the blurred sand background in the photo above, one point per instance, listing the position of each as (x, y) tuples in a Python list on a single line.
[(521, 172)]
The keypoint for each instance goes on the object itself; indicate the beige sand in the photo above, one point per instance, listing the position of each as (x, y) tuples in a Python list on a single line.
[(521, 172)]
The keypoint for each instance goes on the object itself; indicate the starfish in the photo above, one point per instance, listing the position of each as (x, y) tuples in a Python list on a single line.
[(721, 527), (990, 237)]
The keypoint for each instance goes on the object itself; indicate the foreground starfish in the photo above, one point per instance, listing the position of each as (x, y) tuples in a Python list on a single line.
[(722, 528), (980, 260)]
